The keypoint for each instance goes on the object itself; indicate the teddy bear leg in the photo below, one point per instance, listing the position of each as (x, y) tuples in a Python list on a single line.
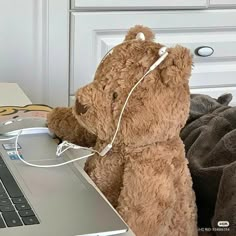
[(106, 172), (64, 125), (185, 208), (148, 201)]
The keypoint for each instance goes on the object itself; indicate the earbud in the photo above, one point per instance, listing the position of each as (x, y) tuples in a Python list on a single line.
[(162, 51), (140, 36), (163, 54)]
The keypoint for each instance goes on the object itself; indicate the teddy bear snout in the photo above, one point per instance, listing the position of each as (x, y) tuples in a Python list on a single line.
[(80, 108)]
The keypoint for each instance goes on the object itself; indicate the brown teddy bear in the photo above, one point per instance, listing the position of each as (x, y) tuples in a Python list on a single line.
[(145, 174)]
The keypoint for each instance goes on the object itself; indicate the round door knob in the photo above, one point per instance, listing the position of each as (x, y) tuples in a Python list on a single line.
[(204, 51)]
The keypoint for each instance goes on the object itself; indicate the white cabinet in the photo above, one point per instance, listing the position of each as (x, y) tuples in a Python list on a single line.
[(94, 33), (52, 47), (222, 3), (138, 4)]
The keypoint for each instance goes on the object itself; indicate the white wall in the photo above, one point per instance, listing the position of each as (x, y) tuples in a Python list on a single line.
[(21, 47)]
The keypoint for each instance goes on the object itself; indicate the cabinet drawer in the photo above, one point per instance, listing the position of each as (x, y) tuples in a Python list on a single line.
[(214, 74), (222, 42), (93, 34), (222, 3), (138, 4)]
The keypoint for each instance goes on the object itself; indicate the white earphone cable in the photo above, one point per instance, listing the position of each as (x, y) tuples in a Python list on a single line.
[(123, 108), (163, 54), (43, 166), (68, 145), (6, 139), (65, 145), (158, 62)]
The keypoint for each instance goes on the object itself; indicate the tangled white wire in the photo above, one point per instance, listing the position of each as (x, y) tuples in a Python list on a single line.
[(59, 151), (163, 54), (6, 139), (64, 146)]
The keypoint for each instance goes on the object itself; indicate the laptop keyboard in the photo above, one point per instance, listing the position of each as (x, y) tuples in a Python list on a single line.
[(14, 208)]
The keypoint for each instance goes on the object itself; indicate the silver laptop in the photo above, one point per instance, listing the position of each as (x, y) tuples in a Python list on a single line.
[(49, 201)]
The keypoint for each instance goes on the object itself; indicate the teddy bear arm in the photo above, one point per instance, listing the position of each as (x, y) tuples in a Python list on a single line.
[(147, 200), (107, 174), (64, 125)]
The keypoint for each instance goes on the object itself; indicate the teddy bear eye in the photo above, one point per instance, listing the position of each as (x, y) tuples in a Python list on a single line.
[(104, 87), (115, 95)]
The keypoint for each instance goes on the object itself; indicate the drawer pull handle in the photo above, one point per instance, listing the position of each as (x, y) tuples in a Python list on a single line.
[(204, 51)]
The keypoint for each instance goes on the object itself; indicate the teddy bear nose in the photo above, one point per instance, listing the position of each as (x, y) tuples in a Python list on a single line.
[(80, 108)]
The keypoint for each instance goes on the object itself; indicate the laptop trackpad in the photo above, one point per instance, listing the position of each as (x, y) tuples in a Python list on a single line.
[(41, 150), (38, 147), (49, 181)]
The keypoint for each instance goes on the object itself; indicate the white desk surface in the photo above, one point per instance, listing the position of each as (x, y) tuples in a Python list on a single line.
[(12, 95)]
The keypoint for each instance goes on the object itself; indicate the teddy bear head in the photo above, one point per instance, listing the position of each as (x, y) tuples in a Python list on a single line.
[(158, 107)]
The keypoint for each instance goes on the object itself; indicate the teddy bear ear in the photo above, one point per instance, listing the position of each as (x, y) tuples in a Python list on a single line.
[(177, 67), (139, 32)]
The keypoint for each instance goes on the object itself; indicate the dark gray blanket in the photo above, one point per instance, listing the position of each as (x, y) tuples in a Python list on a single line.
[(210, 143)]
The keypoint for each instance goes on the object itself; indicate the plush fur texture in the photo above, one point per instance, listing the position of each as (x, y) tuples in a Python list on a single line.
[(145, 175)]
